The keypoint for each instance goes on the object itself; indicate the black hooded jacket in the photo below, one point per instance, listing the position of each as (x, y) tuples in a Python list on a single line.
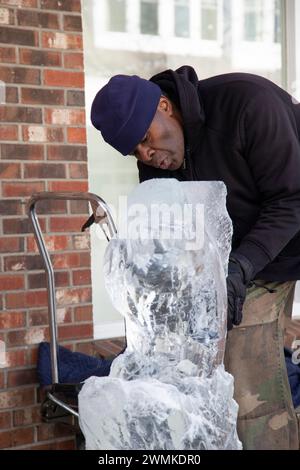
[(244, 130)]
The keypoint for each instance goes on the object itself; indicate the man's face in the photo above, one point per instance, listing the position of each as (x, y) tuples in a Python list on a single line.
[(163, 144)]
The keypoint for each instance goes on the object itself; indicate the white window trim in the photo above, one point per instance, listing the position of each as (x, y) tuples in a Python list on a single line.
[(165, 41)]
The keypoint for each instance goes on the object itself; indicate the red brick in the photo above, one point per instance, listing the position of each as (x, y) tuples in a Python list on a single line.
[(53, 243), (76, 135), (22, 152), (8, 132), (11, 94), (15, 263), (75, 98), (83, 313), (73, 60), (52, 431), (64, 315), (15, 338), (80, 207), (76, 186), (71, 260), (11, 207), (67, 152), (44, 170), (61, 41), (16, 437), (40, 58), (38, 317), (27, 416), (15, 36), (52, 207), (32, 356), (42, 96), (82, 277), (11, 244), (7, 16), (69, 224), (10, 170), (19, 226), (62, 78), (5, 420), (37, 19), (73, 296), (78, 171), (23, 262), (12, 320), (38, 280), (16, 378), (15, 358), (17, 398), (26, 299), (66, 5), (64, 117), (20, 114), (26, 337), (72, 23), (66, 445), (20, 75), (22, 189), (83, 330), (11, 282), (8, 54), (2, 384), (42, 134)]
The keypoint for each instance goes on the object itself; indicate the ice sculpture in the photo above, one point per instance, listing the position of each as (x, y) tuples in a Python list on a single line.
[(169, 389)]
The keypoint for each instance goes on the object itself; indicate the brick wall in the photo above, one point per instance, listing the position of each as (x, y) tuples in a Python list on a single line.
[(43, 147)]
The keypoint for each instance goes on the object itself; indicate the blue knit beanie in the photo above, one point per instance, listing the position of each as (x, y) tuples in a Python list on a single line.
[(124, 109)]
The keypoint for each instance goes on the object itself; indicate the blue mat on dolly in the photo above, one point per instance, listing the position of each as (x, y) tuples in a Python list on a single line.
[(73, 367)]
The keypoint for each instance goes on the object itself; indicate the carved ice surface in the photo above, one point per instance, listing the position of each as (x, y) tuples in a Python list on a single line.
[(169, 389)]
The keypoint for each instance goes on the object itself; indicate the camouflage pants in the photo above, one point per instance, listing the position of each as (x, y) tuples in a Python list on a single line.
[(254, 356)]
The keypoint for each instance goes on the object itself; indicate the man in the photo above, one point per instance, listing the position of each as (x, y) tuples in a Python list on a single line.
[(244, 130)]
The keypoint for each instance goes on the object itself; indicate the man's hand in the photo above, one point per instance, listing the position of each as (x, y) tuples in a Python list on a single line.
[(240, 272)]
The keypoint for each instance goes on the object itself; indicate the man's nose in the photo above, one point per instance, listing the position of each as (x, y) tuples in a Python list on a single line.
[(145, 153)]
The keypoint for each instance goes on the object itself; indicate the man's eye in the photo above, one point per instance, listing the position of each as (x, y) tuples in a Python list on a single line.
[(144, 139)]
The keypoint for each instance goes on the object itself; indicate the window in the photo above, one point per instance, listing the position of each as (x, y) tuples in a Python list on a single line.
[(209, 19), (116, 15), (149, 17), (253, 20), (182, 18), (144, 37)]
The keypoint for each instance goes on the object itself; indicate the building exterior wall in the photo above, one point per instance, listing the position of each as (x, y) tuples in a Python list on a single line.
[(43, 148)]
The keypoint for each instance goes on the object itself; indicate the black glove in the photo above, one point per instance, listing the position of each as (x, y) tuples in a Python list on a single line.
[(240, 273)]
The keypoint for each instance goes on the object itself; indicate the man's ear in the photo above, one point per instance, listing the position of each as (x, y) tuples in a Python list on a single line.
[(165, 105)]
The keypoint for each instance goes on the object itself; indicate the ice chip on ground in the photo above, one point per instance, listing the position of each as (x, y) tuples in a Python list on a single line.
[(166, 274)]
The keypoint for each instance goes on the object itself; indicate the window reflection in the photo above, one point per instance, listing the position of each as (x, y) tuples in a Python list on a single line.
[(116, 15), (253, 20), (209, 19), (149, 17), (182, 18)]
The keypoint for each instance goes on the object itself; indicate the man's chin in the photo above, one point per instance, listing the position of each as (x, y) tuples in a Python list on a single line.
[(176, 165)]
